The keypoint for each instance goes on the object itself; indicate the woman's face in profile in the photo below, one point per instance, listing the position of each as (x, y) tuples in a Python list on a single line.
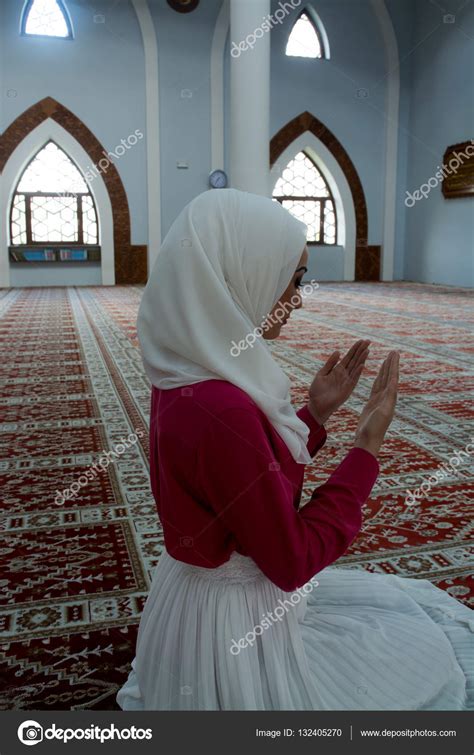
[(288, 301)]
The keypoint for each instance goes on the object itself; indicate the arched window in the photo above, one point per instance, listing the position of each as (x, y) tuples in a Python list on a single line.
[(52, 203), (303, 190), (307, 38), (46, 18)]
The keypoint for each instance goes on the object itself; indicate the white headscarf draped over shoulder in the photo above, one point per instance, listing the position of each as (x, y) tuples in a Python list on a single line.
[(225, 262)]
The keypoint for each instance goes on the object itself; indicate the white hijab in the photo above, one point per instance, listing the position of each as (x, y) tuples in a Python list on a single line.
[(225, 262)]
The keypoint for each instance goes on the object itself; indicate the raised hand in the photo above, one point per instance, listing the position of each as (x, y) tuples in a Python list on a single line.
[(378, 412), (334, 382)]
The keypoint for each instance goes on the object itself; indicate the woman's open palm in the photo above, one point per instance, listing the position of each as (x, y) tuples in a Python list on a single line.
[(336, 380), (378, 412)]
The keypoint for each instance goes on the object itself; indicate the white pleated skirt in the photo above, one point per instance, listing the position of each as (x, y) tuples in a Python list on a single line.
[(229, 639)]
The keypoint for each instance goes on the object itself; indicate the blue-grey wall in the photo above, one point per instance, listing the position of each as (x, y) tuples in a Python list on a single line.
[(346, 92), (437, 79), (184, 45), (55, 274), (100, 76)]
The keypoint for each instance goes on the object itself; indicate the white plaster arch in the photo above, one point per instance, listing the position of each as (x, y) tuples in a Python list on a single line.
[(17, 162), (391, 137), (152, 102), (219, 39), (333, 173)]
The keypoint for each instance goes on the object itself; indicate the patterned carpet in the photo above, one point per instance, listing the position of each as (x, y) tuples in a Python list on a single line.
[(75, 576)]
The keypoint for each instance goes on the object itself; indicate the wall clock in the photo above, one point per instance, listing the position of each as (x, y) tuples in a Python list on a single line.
[(218, 179), (183, 6)]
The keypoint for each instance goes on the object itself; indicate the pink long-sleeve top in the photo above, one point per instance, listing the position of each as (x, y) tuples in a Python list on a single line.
[(224, 481)]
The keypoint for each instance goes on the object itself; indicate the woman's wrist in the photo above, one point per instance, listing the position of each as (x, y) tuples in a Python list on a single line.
[(371, 446), (320, 417)]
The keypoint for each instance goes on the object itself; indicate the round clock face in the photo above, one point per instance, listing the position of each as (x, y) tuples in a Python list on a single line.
[(183, 6), (218, 179)]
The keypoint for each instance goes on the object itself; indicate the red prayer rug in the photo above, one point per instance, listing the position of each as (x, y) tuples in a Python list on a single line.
[(76, 571)]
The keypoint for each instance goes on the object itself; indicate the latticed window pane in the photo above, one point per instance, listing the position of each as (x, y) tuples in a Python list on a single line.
[(54, 219), (52, 171), (303, 190), (18, 220), (303, 41), (309, 212), (46, 17), (301, 178), (89, 221), (52, 203), (329, 223)]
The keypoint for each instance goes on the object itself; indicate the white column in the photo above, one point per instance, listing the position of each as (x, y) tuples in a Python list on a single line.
[(392, 115), (150, 47), (249, 96)]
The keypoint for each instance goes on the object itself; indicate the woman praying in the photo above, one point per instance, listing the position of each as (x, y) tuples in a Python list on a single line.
[(248, 608)]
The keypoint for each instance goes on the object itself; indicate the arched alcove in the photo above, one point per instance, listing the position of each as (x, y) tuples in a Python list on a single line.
[(367, 258), (130, 261), (15, 165), (340, 189)]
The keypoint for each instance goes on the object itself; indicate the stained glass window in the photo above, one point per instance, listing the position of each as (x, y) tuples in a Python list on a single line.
[(47, 18), (52, 202), (304, 40), (303, 190)]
